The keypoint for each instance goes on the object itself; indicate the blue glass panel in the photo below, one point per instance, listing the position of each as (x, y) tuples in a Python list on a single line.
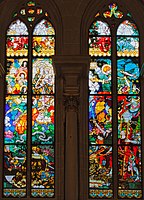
[(128, 76)]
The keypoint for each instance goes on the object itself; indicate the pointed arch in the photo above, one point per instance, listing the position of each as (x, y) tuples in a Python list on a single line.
[(122, 57), (29, 118)]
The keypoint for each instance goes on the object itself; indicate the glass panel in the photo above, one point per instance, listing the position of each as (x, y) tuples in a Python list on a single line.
[(113, 11), (31, 19), (14, 193), (42, 192), (39, 11), (43, 76), (15, 120), (43, 120), (31, 3), (100, 76), (100, 167), (31, 11), (42, 174), (129, 166), (43, 46), (127, 28), (129, 124), (130, 194), (128, 76), (23, 12), (93, 193), (44, 28), (99, 28), (100, 46), (17, 46), (128, 46), (14, 170), (16, 77), (17, 28), (100, 119)]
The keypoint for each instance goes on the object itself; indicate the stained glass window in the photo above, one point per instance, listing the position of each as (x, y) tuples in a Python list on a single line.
[(29, 80), (15, 130), (129, 113), (42, 171), (126, 139), (100, 111)]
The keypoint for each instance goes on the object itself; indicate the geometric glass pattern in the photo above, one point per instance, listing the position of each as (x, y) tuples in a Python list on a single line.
[(113, 12)]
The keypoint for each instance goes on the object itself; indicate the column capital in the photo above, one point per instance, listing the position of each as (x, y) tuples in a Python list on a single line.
[(71, 69), (71, 103)]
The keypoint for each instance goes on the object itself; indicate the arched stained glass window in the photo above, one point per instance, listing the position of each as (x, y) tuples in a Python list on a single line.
[(100, 109), (29, 107), (129, 116), (114, 106)]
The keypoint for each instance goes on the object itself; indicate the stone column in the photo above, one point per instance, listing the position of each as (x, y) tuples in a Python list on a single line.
[(71, 147), (70, 70)]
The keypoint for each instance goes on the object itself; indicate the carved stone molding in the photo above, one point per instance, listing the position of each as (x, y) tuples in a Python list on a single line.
[(71, 103), (2, 71)]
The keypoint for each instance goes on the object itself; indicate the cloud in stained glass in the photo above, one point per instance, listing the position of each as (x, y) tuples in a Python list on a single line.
[(17, 27), (99, 28), (44, 28), (127, 28)]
